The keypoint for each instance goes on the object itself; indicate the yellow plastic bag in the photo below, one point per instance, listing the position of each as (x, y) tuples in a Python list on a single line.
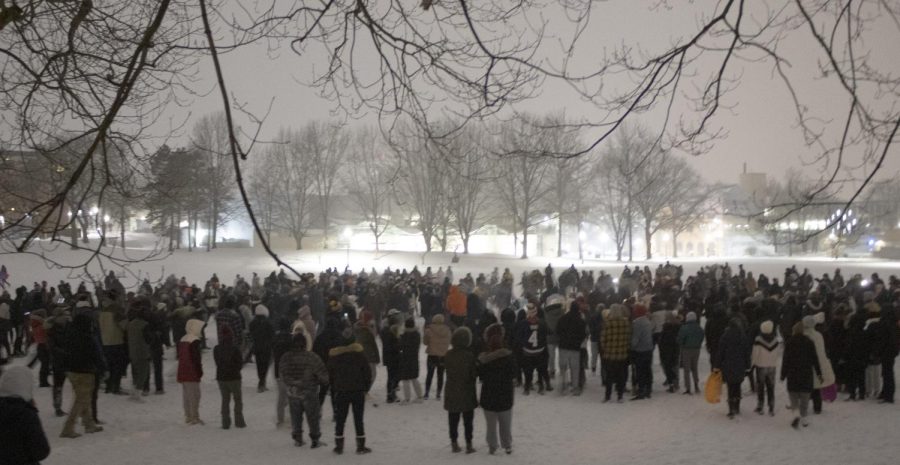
[(714, 387)]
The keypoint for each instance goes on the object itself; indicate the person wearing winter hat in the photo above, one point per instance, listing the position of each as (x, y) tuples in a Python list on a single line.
[(497, 370), (228, 375), (410, 343), (642, 352), (764, 359), (262, 333), (531, 340), (460, 397), (390, 352), (137, 332), (690, 340), (302, 372), (190, 369), (437, 342), (350, 376), (615, 341), (732, 359), (22, 438)]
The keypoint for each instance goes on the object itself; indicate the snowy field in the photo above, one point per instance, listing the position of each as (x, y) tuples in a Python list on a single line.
[(669, 429)]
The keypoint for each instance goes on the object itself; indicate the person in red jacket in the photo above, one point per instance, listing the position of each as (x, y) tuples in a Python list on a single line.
[(190, 370), (39, 336)]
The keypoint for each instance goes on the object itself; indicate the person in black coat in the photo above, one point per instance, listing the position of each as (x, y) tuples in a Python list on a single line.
[(497, 371), (281, 343), (410, 345), (572, 331), (327, 340), (732, 358), (350, 376), (262, 333), (22, 438), (83, 357), (797, 367)]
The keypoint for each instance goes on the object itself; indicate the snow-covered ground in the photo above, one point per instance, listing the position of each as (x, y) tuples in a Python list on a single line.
[(670, 428)]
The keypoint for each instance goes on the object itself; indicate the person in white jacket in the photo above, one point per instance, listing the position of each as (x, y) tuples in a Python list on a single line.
[(764, 358), (827, 379)]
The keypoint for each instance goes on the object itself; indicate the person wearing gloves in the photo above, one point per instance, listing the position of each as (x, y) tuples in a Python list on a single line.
[(22, 438), (190, 370), (764, 360)]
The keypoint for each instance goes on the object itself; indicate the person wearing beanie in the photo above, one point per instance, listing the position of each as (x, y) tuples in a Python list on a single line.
[(22, 437), (732, 359), (228, 375), (138, 336), (364, 332), (390, 352), (262, 334), (410, 344), (460, 397), (764, 360), (827, 379), (190, 369), (690, 340), (497, 370), (798, 365), (615, 344), (350, 376), (642, 352), (531, 340), (437, 343), (302, 372)]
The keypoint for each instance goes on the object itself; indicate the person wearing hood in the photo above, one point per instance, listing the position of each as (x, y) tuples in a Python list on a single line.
[(410, 344), (350, 377), (262, 333), (827, 378), (190, 370), (798, 366), (497, 370), (571, 330), (82, 360), (871, 333), (56, 339), (304, 315), (138, 336), (456, 305), (690, 340), (642, 352), (390, 352), (22, 437), (228, 316), (553, 311), (329, 339), (364, 332), (437, 343), (302, 372), (531, 340), (460, 399), (764, 360), (228, 375), (732, 359)]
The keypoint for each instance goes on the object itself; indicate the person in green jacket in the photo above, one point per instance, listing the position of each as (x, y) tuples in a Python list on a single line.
[(690, 340)]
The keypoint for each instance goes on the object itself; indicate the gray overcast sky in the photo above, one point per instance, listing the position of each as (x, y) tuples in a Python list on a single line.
[(760, 120)]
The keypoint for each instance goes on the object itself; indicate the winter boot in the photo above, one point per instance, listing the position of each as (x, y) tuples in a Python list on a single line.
[(361, 446), (298, 441), (338, 445), (226, 422), (454, 446), (60, 412), (759, 409), (239, 420), (469, 448), (316, 443)]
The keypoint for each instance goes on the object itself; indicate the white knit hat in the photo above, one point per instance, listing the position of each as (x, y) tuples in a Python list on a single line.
[(17, 381), (767, 327)]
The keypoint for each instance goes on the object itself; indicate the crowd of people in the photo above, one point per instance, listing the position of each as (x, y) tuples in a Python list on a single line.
[(320, 335)]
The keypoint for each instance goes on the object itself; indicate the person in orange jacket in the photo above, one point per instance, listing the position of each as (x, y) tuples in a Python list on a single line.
[(456, 305)]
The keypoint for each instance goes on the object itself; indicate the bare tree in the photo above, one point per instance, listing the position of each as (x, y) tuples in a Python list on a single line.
[(294, 175), (325, 145), (264, 189), (368, 180), (471, 166), (211, 138)]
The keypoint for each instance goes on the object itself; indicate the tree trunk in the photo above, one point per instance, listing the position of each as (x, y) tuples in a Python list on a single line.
[(84, 229), (648, 237), (674, 244), (171, 233), (465, 240), (525, 241), (580, 245), (74, 234), (629, 226), (214, 225), (178, 229), (324, 227), (515, 243), (298, 239), (427, 238), (559, 232)]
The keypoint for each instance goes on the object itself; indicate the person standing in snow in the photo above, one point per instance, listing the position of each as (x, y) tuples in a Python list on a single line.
[(22, 437), (531, 338), (302, 372), (390, 353), (571, 331), (615, 344), (228, 375), (364, 332), (497, 370), (82, 359), (764, 359), (138, 338), (350, 377), (798, 366), (642, 352), (282, 343), (262, 333), (460, 398), (410, 344), (690, 340), (190, 370), (437, 343), (827, 379), (669, 350), (732, 358)]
